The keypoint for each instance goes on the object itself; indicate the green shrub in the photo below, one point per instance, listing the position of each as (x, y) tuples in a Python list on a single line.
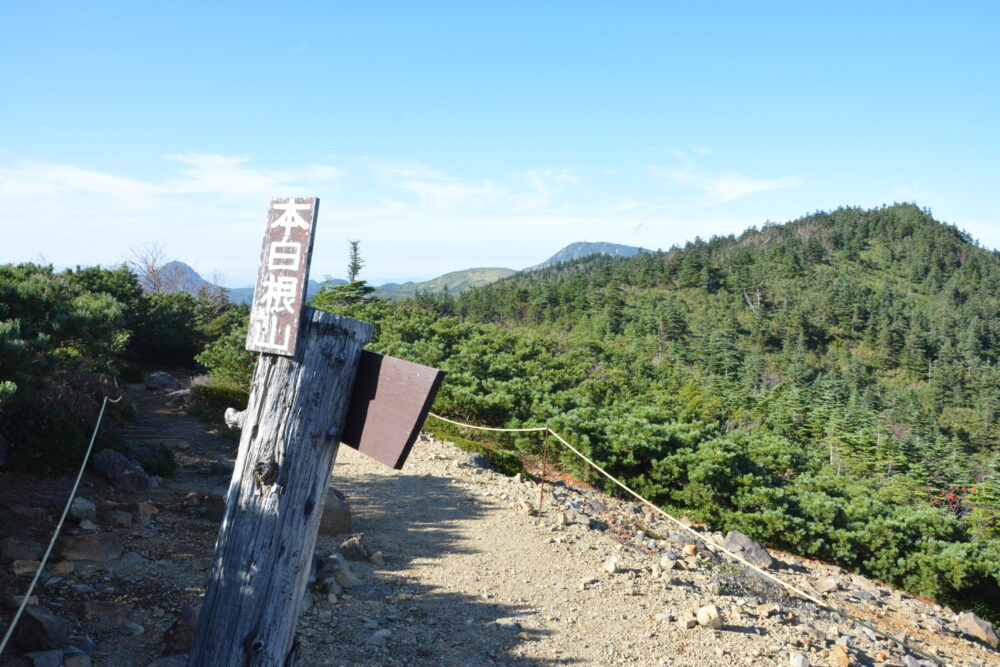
[(210, 400), (225, 356)]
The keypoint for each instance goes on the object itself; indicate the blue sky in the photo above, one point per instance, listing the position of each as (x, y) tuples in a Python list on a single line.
[(450, 135)]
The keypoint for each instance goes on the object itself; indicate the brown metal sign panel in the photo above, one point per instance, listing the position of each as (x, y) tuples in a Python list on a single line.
[(390, 402), (283, 275)]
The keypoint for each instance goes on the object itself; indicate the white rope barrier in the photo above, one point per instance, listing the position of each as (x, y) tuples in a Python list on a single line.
[(717, 547), (487, 428), (62, 519)]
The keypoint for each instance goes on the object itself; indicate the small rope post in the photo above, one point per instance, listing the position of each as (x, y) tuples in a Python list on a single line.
[(541, 485)]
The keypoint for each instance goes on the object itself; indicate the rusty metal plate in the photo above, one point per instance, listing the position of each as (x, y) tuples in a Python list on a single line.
[(390, 402), (283, 275)]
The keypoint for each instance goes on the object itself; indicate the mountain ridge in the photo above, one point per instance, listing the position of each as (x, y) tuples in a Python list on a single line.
[(184, 277)]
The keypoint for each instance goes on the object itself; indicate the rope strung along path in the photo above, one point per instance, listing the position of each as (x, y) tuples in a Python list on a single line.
[(62, 519), (488, 428), (798, 591)]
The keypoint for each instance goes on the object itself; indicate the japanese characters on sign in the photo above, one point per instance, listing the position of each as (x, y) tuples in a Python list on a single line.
[(283, 275)]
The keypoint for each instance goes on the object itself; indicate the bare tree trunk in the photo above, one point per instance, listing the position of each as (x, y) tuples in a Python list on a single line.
[(289, 442)]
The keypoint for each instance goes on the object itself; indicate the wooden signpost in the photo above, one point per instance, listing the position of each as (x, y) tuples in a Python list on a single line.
[(304, 400)]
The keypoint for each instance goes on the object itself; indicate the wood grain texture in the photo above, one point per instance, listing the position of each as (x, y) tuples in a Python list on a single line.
[(287, 449)]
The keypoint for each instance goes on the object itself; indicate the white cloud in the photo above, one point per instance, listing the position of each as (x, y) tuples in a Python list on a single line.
[(734, 186), (390, 170), (544, 181), (225, 175), (720, 189), (53, 180), (449, 195)]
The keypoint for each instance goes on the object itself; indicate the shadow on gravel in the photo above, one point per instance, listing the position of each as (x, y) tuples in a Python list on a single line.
[(416, 518)]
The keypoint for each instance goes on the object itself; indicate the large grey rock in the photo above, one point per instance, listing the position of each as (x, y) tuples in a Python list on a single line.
[(337, 568), (14, 548), (982, 630), (163, 381), (121, 471), (336, 515), (82, 509), (477, 460), (41, 630), (356, 547), (749, 549), (99, 547)]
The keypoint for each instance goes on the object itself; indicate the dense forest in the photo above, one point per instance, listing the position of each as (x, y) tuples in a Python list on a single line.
[(828, 386)]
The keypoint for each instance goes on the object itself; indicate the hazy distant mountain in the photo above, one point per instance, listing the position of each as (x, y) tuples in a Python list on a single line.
[(585, 248), (174, 277), (245, 294), (454, 282)]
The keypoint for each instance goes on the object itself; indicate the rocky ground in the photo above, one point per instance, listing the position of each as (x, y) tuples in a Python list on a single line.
[(444, 563)]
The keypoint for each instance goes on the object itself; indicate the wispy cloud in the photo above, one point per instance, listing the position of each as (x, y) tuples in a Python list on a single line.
[(717, 189), (544, 181), (53, 180), (449, 195), (734, 186), (228, 176)]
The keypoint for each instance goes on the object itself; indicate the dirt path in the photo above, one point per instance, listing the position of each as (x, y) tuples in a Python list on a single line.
[(467, 577), (470, 579)]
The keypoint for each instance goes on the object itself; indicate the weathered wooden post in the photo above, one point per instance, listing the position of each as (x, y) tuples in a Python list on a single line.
[(291, 430), (303, 402), (276, 497)]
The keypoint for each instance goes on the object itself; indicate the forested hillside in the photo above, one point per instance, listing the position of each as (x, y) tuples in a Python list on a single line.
[(829, 385)]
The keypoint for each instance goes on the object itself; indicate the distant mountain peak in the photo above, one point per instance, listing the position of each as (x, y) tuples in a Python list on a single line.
[(452, 283), (172, 277), (582, 249)]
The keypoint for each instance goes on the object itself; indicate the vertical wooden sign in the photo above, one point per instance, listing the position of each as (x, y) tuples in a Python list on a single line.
[(283, 275)]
